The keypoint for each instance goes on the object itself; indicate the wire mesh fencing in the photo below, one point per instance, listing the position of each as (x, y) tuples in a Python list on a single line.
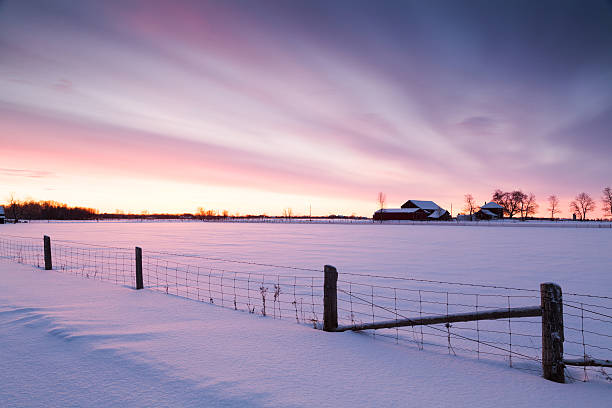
[(22, 250), (247, 286), (115, 265), (514, 340), (588, 334)]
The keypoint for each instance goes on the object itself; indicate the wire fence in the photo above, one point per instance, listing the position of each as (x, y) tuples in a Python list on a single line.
[(107, 264), (295, 293), (516, 341), (588, 333), (249, 287), (22, 250)]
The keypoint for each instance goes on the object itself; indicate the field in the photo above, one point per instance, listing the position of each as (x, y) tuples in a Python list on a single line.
[(577, 259), (397, 265)]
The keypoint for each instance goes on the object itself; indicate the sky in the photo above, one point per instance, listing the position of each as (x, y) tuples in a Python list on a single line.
[(254, 107)]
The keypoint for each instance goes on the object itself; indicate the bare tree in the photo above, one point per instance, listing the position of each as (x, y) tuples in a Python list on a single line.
[(582, 204), (553, 206), (512, 201), (14, 208), (287, 213), (606, 200), (470, 204), (382, 199), (528, 205)]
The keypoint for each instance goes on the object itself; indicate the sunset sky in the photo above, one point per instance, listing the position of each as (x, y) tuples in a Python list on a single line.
[(256, 106)]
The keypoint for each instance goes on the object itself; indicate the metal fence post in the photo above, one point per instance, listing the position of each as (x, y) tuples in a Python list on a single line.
[(552, 332), (47, 250), (330, 299), (139, 283)]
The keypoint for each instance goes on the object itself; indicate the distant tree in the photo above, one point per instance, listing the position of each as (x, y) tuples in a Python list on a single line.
[(225, 213), (553, 206), (47, 210), (287, 213), (528, 205), (582, 204), (201, 213), (14, 208), (510, 200), (382, 199), (606, 200), (470, 204)]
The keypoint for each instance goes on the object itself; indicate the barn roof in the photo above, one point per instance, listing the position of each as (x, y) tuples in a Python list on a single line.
[(491, 205), (398, 210), (489, 213), (426, 205), (437, 213)]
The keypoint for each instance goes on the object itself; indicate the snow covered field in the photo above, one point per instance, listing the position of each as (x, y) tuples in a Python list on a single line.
[(577, 259), (68, 341), (185, 352)]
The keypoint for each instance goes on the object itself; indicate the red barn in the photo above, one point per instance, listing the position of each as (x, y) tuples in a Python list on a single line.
[(414, 210), (490, 211)]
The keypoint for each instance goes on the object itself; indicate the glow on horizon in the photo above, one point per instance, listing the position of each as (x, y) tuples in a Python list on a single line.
[(149, 106)]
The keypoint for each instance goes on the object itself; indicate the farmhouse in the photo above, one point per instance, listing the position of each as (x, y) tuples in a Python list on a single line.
[(490, 211), (2, 217), (414, 210)]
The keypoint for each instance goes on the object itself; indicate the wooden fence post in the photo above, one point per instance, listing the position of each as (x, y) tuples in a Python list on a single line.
[(552, 332), (330, 299), (47, 250), (139, 283)]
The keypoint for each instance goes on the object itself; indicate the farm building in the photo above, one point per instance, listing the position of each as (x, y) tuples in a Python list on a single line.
[(414, 210), (490, 211), (2, 217)]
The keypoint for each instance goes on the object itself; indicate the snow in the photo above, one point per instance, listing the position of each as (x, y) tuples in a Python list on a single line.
[(426, 205), (82, 341), (398, 210), (491, 204), (437, 213), (69, 341), (576, 258), (489, 213)]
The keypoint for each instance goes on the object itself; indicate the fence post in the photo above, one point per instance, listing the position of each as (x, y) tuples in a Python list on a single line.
[(139, 284), (552, 332), (330, 299), (47, 250)]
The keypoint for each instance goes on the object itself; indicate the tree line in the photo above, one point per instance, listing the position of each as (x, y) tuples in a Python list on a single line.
[(16, 210), (46, 210), (518, 203)]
